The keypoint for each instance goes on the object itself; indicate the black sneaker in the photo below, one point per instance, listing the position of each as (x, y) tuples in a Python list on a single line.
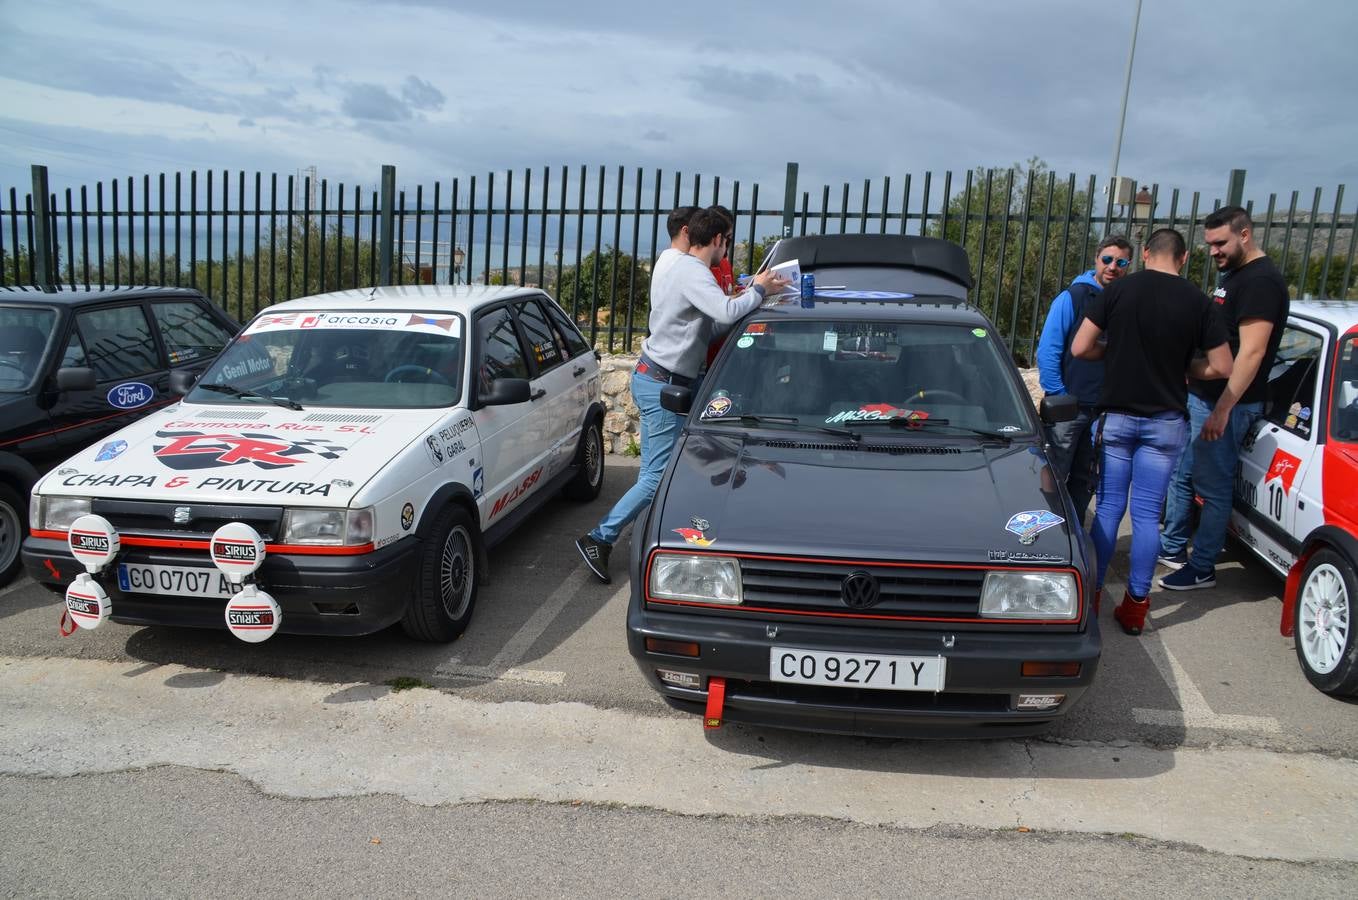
[(1173, 562), (1188, 579), (595, 554)]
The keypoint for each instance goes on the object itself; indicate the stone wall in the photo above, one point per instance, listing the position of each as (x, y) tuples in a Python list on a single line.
[(620, 423)]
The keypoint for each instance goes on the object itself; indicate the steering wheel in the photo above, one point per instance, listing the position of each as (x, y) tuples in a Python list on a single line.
[(935, 394), (429, 375)]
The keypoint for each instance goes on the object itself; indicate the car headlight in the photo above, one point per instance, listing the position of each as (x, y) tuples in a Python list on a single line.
[(1029, 595), (704, 579), (56, 513), (335, 527)]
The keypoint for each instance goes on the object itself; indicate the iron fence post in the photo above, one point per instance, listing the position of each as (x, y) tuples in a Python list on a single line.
[(789, 199), (41, 264), (388, 212), (1235, 188)]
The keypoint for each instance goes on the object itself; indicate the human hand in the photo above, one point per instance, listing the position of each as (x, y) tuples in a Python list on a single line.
[(771, 282), (1215, 426)]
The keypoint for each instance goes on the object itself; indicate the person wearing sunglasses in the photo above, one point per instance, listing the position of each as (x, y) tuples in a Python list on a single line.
[(1060, 372)]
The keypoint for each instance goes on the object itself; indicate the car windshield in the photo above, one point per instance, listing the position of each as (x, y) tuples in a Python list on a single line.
[(379, 359), (1344, 419), (24, 335), (856, 373)]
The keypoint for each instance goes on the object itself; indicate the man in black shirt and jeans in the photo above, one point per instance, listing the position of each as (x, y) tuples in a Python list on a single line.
[(1155, 321), (1254, 302)]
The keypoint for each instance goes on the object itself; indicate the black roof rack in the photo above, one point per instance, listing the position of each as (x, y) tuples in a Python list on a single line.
[(892, 250)]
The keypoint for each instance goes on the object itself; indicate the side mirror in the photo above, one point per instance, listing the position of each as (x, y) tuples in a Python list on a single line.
[(75, 378), (182, 381), (507, 392), (1060, 408), (676, 399)]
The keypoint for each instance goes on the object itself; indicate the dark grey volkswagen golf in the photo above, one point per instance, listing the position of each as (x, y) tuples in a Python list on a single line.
[(858, 531)]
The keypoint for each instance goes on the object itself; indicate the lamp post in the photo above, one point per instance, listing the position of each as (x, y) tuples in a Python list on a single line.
[(1122, 117), (459, 256)]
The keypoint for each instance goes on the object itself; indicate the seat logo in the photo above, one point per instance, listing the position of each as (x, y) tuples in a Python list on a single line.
[(182, 515), (860, 591)]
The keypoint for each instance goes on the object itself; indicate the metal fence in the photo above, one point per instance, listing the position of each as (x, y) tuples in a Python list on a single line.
[(589, 235)]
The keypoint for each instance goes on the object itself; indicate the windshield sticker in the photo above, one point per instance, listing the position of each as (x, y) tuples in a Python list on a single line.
[(1022, 556), (202, 450), (274, 320), (757, 328), (745, 342), (1305, 413), (407, 517), (831, 342), (718, 406), (449, 325), (130, 395), (979, 332), (839, 294), (111, 450), (1030, 523), (1009, 429), (696, 536), (444, 323), (875, 411)]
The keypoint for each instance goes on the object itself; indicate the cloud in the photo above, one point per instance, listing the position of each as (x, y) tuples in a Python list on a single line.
[(374, 103), (420, 94)]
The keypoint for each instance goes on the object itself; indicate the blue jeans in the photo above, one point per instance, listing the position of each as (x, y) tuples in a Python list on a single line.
[(659, 429), (1207, 468), (1072, 458), (1138, 453)]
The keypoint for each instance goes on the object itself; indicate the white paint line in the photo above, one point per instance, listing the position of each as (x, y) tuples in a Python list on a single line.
[(22, 581), (1193, 709), (519, 676), (522, 641)]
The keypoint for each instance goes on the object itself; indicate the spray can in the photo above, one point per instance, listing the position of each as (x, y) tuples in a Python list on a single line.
[(808, 290)]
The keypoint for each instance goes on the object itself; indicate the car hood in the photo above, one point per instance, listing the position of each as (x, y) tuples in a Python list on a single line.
[(940, 502), (243, 455)]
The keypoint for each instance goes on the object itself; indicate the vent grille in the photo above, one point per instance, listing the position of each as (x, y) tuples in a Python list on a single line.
[(813, 587), (339, 417), (889, 449), (155, 518), (248, 415)]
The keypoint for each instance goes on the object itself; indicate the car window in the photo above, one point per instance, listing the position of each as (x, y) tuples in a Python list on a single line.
[(118, 342), (844, 372), (1292, 380), (499, 354), (23, 344), (539, 336), (74, 355), (189, 331), (1344, 415), (567, 331)]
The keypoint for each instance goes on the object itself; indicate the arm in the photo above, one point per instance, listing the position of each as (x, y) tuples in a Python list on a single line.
[(1254, 335), (1217, 364), (1051, 346), (1086, 344), (700, 289)]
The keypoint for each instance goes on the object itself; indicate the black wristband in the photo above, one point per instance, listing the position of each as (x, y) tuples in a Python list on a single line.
[(759, 289)]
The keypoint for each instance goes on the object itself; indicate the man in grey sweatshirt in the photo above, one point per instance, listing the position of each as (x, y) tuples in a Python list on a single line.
[(685, 302)]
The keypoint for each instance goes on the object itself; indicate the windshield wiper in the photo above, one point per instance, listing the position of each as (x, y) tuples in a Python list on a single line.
[(234, 391), (903, 422), (751, 420)]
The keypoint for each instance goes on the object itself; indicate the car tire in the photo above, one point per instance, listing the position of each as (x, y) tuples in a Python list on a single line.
[(447, 579), (13, 527), (1327, 640), (589, 479)]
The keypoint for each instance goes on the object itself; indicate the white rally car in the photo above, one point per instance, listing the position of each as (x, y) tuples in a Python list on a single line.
[(342, 466), (1296, 488)]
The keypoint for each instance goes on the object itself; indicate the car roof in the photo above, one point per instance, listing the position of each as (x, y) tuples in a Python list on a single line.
[(452, 297), (936, 310), (1341, 314), (68, 296), (924, 254)]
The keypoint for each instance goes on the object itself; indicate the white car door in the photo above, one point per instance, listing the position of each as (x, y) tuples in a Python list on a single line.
[(1274, 496), (554, 375), (513, 435), (585, 383)]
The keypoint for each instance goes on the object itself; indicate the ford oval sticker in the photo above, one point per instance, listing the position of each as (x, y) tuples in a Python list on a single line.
[(130, 395)]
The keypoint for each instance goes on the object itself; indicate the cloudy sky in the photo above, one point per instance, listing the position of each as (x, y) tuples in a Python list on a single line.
[(851, 90)]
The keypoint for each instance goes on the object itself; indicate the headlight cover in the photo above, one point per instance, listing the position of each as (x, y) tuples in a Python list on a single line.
[(1029, 595), (694, 577), (328, 527), (56, 513)]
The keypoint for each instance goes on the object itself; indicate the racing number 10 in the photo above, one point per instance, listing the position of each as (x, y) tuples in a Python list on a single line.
[(1275, 501)]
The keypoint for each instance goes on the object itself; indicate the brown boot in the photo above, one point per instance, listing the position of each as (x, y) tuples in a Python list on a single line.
[(1131, 613)]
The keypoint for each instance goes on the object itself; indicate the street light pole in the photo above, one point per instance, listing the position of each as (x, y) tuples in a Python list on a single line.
[(1122, 117)]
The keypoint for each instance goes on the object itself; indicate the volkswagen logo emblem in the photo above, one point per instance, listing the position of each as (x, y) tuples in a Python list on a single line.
[(860, 591), (182, 515)]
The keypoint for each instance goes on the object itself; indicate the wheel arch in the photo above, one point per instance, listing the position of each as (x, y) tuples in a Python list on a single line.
[(18, 472), (1326, 537), (458, 495)]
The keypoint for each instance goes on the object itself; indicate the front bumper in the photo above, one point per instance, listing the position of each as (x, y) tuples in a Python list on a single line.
[(983, 680), (331, 595)]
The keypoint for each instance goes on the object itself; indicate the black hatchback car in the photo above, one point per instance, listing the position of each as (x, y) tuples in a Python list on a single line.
[(858, 530), (76, 366)]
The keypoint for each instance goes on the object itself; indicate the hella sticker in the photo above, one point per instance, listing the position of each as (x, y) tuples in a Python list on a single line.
[(130, 395), (1030, 523), (110, 450)]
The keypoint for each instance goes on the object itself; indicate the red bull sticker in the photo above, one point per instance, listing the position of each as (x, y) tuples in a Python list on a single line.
[(1030, 523)]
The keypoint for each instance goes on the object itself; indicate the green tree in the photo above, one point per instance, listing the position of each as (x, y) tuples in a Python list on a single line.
[(596, 293)]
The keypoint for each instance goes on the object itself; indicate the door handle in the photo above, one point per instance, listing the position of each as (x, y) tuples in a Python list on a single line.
[(538, 394), (580, 370)]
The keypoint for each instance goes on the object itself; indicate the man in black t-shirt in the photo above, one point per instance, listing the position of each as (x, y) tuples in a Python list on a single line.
[(1254, 304), (1155, 322)]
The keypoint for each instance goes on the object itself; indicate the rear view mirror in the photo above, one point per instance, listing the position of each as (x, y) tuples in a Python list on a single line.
[(507, 392), (75, 378), (1059, 408), (676, 399), (181, 382)]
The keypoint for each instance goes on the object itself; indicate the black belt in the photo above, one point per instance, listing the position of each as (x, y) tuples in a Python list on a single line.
[(648, 367)]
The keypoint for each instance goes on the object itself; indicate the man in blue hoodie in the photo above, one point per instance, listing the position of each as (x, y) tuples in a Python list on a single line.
[(1072, 450)]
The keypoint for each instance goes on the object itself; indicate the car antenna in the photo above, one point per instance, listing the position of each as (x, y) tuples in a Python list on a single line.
[(372, 295)]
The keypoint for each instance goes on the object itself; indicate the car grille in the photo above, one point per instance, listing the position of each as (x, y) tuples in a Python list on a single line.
[(816, 587), (156, 518)]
